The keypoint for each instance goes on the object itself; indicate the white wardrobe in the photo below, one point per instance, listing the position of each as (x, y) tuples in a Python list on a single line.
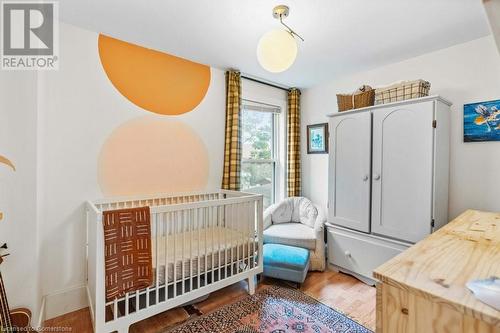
[(388, 181)]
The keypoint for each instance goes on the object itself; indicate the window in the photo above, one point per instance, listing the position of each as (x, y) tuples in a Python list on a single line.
[(259, 151)]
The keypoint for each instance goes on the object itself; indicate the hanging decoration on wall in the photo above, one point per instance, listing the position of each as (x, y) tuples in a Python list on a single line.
[(150, 155), (482, 121), (277, 49), (317, 139), (153, 80), (6, 161)]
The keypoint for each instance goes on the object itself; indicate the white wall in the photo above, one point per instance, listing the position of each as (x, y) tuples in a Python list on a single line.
[(80, 109), (464, 73), (493, 14), (18, 189), (56, 151), (52, 126)]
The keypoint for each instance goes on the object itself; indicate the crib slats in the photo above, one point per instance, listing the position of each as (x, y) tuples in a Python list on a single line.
[(199, 240), (234, 251), (250, 237), (167, 225), (174, 234), (190, 272), (198, 228), (212, 242), (183, 232), (220, 225), (241, 217), (205, 234), (115, 309), (229, 228), (227, 257), (126, 305), (156, 219)]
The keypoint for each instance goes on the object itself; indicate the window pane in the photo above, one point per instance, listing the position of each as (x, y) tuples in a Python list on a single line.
[(257, 135), (258, 178)]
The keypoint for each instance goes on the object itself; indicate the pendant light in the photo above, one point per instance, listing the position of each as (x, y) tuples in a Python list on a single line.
[(277, 49)]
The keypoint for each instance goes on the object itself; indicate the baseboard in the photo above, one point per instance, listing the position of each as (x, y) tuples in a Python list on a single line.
[(62, 302)]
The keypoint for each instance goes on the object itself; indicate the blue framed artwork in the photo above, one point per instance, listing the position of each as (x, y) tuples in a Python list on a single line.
[(482, 121), (317, 139)]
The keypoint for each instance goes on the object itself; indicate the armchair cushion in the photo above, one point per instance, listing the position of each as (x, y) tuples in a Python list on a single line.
[(293, 234), (295, 209), (307, 212), (282, 212)]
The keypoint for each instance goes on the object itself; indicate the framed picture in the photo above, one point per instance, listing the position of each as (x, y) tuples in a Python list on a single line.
[(317, 139), (482, 121)]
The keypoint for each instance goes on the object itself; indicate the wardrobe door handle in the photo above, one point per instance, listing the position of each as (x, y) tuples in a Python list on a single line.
[(347, 254), (365, 178), (376, 177)]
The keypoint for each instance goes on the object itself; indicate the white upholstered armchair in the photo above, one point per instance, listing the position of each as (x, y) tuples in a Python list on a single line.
[(297, 222)]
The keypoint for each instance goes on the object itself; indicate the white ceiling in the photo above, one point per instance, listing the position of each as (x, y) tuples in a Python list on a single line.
[(341, 36)]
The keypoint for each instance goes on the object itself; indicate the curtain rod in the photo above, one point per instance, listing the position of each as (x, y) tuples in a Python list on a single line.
[(262, 82)]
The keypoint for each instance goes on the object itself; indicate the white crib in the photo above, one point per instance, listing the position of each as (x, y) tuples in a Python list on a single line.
[(201, 242)]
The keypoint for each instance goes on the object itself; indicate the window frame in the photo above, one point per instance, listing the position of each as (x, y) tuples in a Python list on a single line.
[(272, 97), (275, 160)]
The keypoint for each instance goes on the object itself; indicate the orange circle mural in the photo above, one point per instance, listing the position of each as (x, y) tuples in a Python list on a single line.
[(155, 81), (148, 155)]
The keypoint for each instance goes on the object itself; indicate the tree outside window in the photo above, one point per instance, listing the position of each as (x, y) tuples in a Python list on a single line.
[(258, 158)]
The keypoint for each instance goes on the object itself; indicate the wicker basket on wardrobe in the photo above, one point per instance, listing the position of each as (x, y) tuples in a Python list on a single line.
[(355, 101)]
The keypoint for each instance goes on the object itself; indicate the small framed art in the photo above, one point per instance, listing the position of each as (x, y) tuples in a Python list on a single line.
[(317, 138)]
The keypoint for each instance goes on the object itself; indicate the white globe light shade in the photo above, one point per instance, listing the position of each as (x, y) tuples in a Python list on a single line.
[(277, 50)]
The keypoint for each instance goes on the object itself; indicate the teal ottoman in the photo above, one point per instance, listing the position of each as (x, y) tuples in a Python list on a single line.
[(286, 262)]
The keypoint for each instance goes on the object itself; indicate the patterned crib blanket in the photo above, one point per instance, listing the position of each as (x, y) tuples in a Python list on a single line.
[(127, 251)]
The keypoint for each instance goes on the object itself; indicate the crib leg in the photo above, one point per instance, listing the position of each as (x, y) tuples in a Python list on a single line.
[(251, 284)]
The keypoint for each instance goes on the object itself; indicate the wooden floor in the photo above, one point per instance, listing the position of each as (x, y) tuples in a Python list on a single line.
[(339, 291)]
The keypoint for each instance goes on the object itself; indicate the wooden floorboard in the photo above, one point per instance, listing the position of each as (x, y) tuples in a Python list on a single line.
[(339, 291), (77, 321)]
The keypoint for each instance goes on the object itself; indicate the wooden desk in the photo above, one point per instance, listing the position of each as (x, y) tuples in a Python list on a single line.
[(423, 289)]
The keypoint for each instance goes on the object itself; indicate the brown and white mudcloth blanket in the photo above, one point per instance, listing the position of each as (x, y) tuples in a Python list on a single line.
[(127, 251)]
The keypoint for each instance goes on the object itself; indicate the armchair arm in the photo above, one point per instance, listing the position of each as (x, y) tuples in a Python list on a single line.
[(318, 256), (320, 219), (267, 215)]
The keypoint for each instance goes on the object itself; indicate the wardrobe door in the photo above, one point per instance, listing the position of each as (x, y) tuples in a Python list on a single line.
[(402, 171), (349, 171)]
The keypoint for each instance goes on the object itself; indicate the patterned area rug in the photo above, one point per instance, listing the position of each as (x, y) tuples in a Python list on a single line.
[(273, 310)]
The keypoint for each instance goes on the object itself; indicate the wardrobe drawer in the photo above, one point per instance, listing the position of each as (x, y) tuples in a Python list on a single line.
[(360, 253)]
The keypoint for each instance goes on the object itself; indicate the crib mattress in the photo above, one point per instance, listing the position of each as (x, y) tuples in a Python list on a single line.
[(207, 247)]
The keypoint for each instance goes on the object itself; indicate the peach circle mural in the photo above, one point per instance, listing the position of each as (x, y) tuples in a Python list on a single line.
[(155, 81), (150, 155)]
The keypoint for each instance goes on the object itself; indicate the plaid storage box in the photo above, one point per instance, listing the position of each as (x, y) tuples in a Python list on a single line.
[(402, 91)]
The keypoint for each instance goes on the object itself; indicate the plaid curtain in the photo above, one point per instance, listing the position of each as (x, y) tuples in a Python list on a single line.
[(293, 143), (232, 146)]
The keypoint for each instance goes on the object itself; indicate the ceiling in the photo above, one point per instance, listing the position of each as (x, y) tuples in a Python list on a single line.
[(341, 36)]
